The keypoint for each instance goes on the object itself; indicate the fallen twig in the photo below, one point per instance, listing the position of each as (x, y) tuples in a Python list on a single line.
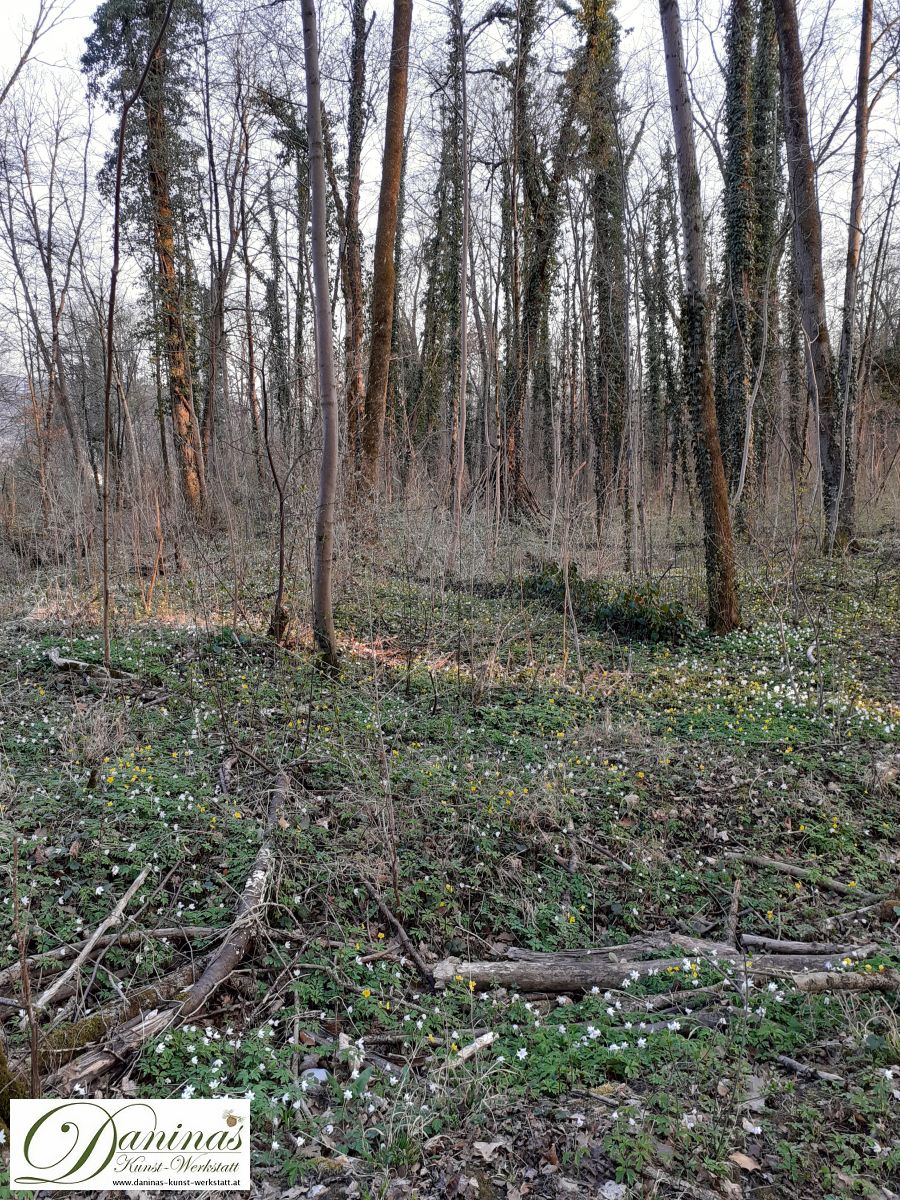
[(113, 919), (410, 949), (796, 872), (809, 1072), (54, 960), (471, 1050)]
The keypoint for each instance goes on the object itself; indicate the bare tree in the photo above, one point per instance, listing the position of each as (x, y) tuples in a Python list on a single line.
[(45, 215), (48, 16)]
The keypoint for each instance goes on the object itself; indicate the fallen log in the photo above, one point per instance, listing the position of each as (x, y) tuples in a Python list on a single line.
[(779, 946), (848, 981), (568, 972), (634, 952), (94, 670), (65, 1040), (120, 1046)]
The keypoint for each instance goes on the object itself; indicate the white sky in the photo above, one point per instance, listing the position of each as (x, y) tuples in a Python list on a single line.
[(830, 83)]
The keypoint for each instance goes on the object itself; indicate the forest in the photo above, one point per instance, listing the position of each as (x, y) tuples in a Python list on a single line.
[(450, 591)]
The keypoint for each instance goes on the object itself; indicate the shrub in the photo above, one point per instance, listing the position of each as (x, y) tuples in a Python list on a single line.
[(636, 611), (639, 611)]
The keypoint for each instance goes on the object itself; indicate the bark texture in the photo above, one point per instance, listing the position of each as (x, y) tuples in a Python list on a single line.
[(188, 447), (323, 610), (723, 609), (846, 389), (384, 280), (808, 254)]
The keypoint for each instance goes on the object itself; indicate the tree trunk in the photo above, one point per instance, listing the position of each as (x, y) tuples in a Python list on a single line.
[(384, 281), (458, 457), (353, 278), (846, 490), (323, 614), (188, 448), (724, 613), (740, 225), (808, 254)]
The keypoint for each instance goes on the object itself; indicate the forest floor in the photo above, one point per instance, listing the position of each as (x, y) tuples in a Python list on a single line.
[(497, 782)]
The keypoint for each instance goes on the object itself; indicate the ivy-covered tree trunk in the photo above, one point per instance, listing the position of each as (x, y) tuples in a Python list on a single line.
[(723, 609), (740, 224), (280, 387), (609, 302), (437, 396), (531, 255), (188, 447)]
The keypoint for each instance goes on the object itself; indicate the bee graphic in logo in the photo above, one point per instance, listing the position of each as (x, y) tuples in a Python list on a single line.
[(231, 1119)]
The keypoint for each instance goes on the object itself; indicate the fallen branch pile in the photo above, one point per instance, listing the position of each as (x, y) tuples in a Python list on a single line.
[(119, 1031)]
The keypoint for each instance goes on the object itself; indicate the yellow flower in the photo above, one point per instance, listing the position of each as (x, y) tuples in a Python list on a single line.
[(471, 985), (366, 992), (237, 815)]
